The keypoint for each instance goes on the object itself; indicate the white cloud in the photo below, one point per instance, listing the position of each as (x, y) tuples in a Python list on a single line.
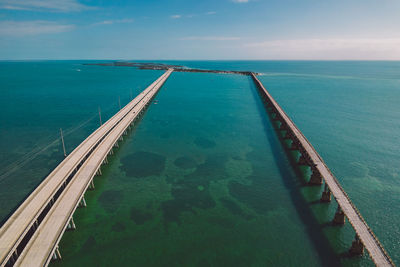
[(109, 22), (44, 5), (338, 48), (176, 16), (210, 38), (211, 13), (24, 28), (240, 1)]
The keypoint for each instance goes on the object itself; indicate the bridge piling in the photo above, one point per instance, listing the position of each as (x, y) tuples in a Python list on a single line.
[(295, 145), (326, 194), (56, 254), (316, 177), (283, 126), (82, 203), (357, 247), (303, 160), (339, 218), (288, 135), (71, 224), (91, 185)]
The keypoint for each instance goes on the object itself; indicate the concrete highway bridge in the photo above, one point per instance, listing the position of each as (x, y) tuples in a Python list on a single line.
[(30, 237)]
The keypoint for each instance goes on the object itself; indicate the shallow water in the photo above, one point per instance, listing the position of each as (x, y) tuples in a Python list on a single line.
[(204, 180), (39, 98)]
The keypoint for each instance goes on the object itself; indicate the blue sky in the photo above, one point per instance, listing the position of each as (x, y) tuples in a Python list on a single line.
[(206, 29)]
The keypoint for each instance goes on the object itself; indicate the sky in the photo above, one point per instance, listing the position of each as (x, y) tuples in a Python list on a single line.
[(200, 29)]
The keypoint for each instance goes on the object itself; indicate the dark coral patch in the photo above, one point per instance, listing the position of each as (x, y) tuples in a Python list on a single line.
[(185, 163), (221, 221), (254, 195), (140, 217), (193, 191), (143, 164), (110, 200), (234, 208), (204, 142)]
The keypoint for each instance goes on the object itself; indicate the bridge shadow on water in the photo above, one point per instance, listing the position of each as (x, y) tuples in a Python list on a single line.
[(321, 244)]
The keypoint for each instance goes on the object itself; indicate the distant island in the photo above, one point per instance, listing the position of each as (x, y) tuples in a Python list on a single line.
[(161, 66)]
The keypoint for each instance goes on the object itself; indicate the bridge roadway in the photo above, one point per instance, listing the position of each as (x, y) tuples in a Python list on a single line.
[(30, 236), (363, 232)]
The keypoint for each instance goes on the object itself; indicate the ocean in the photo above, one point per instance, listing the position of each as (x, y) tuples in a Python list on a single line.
[(203, 179)]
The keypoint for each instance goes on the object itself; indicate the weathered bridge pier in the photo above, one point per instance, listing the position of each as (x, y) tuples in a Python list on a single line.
[(320, 173), (30, 237)]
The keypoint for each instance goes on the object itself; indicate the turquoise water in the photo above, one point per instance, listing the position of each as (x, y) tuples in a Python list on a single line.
[(203, 178), (39, 98)]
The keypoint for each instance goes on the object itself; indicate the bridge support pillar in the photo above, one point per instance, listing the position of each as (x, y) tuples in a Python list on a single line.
[(276, 118), (82, 203), (99, 171), (316, 177), (303, 160), (121, 138), (116, 144), (71, 224), (56, 254), (339, 218), (295, 145), (283, 126), (111, 152), (91, 185), (357, 247), (288, 135), (326, 194)]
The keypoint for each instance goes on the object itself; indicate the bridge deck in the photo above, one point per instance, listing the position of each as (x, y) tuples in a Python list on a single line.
[(367, 237), (21, 223)]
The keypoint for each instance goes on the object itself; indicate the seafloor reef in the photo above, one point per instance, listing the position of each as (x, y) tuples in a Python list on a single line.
[(161, 66)]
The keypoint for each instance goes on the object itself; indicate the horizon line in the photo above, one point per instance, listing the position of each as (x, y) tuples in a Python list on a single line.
[(116, 59)]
